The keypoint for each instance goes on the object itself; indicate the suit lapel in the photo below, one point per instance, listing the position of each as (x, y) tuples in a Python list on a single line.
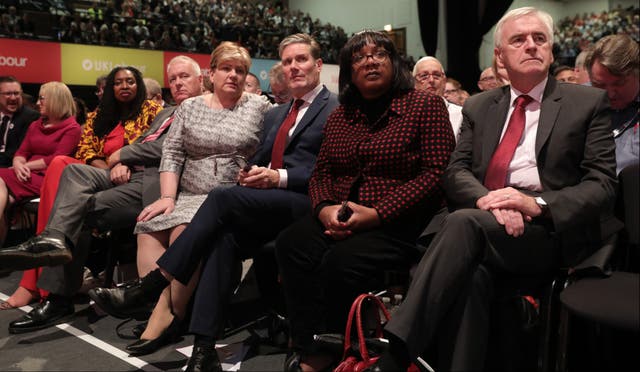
[(549, 110), (313, 110), (160, 119), (499, 110), (277, 122)]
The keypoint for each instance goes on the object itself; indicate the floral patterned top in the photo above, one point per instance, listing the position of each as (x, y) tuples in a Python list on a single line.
[(92, 147)]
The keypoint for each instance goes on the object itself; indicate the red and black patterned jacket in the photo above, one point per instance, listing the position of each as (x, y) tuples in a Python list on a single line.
[(394, 165)]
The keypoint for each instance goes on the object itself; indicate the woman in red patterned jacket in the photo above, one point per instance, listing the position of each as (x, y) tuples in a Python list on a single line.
[(383, 153)]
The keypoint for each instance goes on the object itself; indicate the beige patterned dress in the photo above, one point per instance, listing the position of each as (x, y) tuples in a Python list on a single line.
[(207, 147)]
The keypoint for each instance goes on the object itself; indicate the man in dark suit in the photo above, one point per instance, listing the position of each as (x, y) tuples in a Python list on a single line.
[(107, 199), (526, 187), (271, 195), (15, 119)]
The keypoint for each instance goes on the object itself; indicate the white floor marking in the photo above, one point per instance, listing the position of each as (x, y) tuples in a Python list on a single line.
[(106, 347)]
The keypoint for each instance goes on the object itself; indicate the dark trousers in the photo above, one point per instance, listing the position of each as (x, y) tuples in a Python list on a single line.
[(231, 223), (448, 303), (321, 276)]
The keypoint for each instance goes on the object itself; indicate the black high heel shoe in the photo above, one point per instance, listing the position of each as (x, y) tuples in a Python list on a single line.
[(168, 336)]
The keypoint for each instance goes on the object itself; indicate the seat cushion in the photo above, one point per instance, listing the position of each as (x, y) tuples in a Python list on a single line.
[(614, 301)]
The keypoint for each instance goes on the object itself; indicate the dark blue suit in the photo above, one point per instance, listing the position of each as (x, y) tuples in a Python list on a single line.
[(242, 217)]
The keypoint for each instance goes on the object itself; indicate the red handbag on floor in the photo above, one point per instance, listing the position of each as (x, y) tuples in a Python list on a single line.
[(356, 359)]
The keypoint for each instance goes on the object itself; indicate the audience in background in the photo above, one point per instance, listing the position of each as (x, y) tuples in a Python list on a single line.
[(154, 91), (252, 84), (565, 74), (193, 26), (280, 91), (487, 79), (453, 92), (582, 75)]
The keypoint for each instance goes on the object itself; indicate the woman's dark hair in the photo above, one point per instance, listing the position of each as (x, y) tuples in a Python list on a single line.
[(111, 111), (402, 79), (81, 110)]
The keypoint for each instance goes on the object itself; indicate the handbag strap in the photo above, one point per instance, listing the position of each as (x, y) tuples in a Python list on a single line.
[(356, 310)]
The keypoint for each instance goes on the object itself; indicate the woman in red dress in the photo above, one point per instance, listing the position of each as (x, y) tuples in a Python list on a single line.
[(122, 116)]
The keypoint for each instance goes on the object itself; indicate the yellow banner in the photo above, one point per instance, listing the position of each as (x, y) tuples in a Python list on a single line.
[(82, 64)]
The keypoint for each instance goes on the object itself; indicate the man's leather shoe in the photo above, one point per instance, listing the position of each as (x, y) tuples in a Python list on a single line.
[(41, 250), (128, 301), (292, 363), (45, 314), (204, 359)]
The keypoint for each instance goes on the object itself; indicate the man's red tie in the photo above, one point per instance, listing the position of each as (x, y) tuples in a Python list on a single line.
[(496, 174), (277, 152), (153, 136)]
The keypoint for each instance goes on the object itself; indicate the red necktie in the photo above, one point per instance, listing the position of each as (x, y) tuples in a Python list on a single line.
[(153, 136), (496, 174), (277, 152)]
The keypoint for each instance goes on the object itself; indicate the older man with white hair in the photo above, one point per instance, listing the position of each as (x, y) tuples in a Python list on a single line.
[(430, 76)]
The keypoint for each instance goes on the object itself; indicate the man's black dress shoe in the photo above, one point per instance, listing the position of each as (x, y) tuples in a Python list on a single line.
[(204, 359), (128, 301), (169, 335), (41, 250), (292, 363), (45, 314)]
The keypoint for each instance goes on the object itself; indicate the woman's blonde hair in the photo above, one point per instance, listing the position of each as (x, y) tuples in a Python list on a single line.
[(228, 50), (58, 100)]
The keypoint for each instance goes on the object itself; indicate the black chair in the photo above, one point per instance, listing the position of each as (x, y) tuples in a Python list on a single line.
[(608, 305)]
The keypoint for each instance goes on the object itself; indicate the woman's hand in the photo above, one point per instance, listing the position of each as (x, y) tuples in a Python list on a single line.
[(363, 218), (160, 206), (120, 174), (259, 178), (22, 171)]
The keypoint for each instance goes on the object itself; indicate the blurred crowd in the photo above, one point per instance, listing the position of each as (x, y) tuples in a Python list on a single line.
[(187, 26), (575, 34)]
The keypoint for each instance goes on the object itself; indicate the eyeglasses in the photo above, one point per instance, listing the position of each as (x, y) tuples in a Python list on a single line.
[(425, 76), (377, 56), (488, 78), (9, 94)]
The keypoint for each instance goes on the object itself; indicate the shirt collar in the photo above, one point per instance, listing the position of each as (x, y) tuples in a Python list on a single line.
[(536, 92), (311, 95)]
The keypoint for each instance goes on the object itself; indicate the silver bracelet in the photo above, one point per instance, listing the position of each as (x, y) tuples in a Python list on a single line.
[(168, 197)]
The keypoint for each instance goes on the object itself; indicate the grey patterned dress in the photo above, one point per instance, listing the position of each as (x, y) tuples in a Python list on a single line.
[(207, 147)]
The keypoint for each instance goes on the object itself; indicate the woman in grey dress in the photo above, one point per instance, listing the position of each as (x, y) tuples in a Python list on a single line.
[(206, 146)]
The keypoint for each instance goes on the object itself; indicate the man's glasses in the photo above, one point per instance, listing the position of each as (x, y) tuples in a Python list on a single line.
[(9, 94), (488, 78), (378, 56), (425, 76)]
